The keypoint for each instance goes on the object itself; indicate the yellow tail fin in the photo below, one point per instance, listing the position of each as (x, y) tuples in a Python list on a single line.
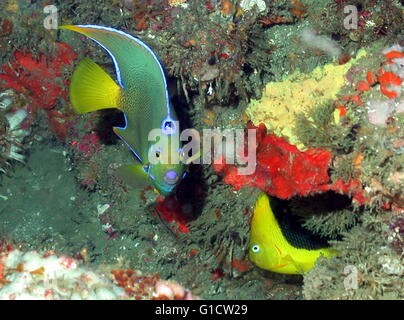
[(93, 89)]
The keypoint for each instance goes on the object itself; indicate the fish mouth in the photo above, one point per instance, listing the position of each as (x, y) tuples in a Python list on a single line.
[(171, 177)]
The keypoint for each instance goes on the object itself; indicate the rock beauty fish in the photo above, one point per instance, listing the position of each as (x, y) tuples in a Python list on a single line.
[(277, 247), (141, 93)]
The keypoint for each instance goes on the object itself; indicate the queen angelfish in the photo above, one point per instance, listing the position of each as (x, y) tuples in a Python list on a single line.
[(141, 93)]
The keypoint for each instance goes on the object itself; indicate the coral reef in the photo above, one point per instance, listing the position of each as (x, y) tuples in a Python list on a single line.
[(47, 276), (141, 287), (373, 157), (217, 53), (170, 210), (284, 171), (367, 268), (377, 19), (366, 106), (40, 82), (297, 94), (390, 81), (327, 105)]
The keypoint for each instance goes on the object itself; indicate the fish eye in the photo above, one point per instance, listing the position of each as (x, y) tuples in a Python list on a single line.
[(255, 248), (168, 126), (158, 152)]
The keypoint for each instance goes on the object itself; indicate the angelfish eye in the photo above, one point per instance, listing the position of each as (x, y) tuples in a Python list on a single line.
[(168, 125), (256, 248), (158, 152)]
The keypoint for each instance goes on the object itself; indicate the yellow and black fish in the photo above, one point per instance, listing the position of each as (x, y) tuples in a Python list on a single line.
[(278, 245)]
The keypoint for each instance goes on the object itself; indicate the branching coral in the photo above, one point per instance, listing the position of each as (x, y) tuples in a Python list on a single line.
[(361, 127), (366, 267), (332, 224), (318, 128), (376, 19)]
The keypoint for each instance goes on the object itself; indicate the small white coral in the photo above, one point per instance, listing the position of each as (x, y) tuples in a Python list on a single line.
[(6, 100), (247, 5), (400, 106), (391, 265), (379, 111), (15, 119)]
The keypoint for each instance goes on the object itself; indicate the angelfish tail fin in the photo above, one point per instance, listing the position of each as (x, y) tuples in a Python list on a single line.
[(93, 89)]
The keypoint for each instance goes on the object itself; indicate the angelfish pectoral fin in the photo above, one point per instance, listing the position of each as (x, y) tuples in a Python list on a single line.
[(130, 139), (134, 175)]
